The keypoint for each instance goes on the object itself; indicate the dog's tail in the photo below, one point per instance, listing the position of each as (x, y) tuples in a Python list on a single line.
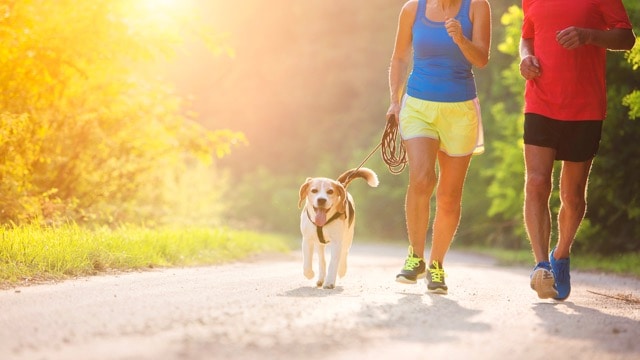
[(364, 173)]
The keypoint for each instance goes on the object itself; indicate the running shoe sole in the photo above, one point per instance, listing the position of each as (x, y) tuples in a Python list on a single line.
[(438, 291), (542, 282), (404, 280)]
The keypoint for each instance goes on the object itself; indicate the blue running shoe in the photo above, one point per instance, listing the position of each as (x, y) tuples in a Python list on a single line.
[(543, 282), (560, 269)]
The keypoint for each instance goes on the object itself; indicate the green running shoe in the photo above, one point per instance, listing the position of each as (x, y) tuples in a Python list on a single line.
[(414, 269), (435, 281)]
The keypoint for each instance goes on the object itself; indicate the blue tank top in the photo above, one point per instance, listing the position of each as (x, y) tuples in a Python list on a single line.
[(440, 70)]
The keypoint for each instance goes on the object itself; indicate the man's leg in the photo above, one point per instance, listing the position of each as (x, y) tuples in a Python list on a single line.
[(538, 184), (573, 204), (537, 215)]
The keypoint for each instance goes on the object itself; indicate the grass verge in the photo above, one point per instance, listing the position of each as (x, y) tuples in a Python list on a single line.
[(622, 264), (31, 253)]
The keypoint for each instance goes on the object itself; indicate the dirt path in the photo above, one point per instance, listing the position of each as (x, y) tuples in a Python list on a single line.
[(268, 310)]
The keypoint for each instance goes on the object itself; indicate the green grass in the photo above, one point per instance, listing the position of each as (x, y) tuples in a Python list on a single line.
[(624, 264), (33, 253)]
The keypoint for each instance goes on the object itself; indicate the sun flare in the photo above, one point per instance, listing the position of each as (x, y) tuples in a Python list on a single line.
[(163, 8), (161, 5), (162, 14)]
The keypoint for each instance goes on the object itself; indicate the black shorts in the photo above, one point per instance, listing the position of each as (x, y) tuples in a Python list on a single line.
[(576, 141)]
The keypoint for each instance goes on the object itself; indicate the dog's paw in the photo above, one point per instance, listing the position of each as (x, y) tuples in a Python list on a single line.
[(319, 283), (329, 286), (342, 271), (309, 274)]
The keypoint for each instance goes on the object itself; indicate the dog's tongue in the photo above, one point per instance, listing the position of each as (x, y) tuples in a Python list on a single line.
[(321, 217)]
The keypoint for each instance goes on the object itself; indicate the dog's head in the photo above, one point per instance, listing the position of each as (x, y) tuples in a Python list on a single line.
[(323, 195)]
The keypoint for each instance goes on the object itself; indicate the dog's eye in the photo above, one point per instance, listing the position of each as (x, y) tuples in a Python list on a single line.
[(314, 191), (330, 191)]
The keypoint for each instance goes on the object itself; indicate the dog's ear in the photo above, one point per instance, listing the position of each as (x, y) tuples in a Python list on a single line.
[(304, 189), (342, 196)]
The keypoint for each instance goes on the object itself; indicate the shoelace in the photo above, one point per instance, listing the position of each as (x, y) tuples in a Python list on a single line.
[(411, 263), (437, 273)]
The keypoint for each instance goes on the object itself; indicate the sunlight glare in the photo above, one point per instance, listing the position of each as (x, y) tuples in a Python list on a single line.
[(164, 14), (161, 5), (162, 8)]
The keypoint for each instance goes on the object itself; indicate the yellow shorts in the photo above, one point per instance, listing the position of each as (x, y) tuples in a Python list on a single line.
[(457, 125)]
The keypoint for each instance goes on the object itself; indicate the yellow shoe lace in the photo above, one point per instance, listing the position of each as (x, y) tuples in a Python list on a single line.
[(411, 262), (437, 273)]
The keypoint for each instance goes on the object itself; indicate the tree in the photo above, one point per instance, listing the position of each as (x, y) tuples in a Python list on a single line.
[(88, 130), (613, 217)]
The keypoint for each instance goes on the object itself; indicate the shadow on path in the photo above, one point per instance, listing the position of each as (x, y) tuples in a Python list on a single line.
[(571, 321), (312, 291), (422, 318)]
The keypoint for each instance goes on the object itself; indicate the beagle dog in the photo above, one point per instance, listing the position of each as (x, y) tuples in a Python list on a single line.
[(328, 219)]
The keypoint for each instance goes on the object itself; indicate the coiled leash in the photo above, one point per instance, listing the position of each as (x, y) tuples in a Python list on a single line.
[(393, 152)]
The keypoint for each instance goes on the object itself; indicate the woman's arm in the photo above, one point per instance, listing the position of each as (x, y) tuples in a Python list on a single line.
[(401, 57), (477, 49)]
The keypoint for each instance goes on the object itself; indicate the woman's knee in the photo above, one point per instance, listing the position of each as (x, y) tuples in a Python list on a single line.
[(424, 183), (449, 202)]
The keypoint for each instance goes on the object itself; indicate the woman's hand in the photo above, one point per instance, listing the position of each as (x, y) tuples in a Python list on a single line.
[(454, 29), (393, 112)]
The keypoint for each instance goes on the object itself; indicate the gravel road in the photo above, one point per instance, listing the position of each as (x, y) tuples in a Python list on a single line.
[(266, 309)]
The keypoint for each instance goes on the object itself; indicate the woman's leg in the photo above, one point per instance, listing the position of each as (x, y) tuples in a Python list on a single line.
[(453, 171), (421, 156)]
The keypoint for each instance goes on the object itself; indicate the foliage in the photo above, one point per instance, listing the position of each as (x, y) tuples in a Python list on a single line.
[(614, 204), (318, 97), (86, 124), (504, 191), (633, 100), (91, 129)]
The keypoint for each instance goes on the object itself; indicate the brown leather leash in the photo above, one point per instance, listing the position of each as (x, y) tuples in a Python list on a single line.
[(394, 154), (393, 151)]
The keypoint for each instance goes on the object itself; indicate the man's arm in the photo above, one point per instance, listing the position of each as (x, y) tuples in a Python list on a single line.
[(529, 65), (613, 39)]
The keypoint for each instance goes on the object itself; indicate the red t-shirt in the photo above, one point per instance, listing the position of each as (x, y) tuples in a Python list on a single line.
[(572, 82)]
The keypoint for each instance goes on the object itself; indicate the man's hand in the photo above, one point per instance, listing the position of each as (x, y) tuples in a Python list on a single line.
[(573, 37), (529, 67)]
